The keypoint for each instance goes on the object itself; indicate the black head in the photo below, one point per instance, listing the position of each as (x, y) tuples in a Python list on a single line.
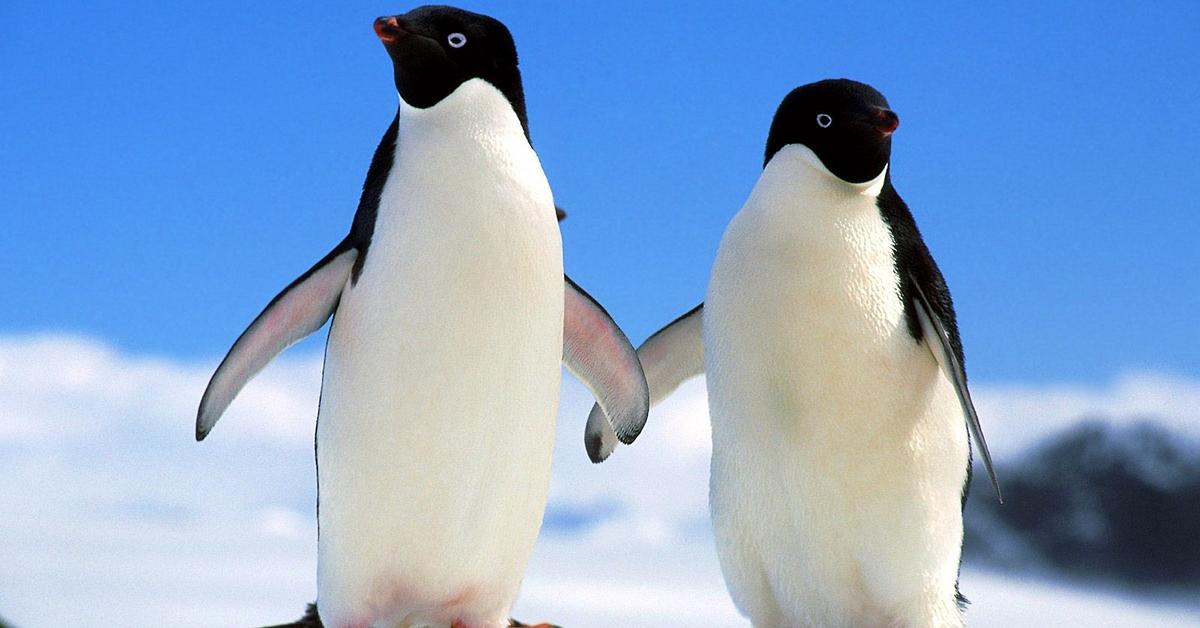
[(847, 124), (434, 49)]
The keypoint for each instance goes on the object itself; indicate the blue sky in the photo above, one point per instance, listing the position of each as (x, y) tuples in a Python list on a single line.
[(167, 167)]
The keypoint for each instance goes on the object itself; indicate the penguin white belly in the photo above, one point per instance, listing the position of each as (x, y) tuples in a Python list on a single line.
[(441, 379), (839, 447)]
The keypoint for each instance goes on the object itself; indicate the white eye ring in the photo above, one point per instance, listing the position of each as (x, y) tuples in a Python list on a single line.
[(456, 40), (824, 120)]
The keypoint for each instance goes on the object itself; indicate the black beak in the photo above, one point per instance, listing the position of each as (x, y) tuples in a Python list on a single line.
[(390, 30), (885, 121)]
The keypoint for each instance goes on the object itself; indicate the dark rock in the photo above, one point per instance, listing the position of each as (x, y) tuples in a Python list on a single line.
[(1099, 502)]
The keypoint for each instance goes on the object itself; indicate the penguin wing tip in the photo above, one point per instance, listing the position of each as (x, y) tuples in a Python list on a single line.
[(628, 430), (204, 422), (596, 453), (594, 440), (630, 433)]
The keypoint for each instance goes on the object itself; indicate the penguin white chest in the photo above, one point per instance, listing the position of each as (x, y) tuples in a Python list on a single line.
[(441, 378), (839, 448)]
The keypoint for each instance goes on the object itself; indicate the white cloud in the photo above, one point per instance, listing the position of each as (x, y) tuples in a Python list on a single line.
[(58, 388), (1015, 416), (113, 515)]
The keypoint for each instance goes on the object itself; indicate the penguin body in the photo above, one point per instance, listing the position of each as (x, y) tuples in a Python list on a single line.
[(426, 440), (839, 453), (451, 321), (836, 390)]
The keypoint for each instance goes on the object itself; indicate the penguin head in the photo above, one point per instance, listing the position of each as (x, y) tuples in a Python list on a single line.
[(847, 124), (434, 49)]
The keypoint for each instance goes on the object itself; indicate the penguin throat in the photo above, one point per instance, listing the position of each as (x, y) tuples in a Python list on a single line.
[(475, 107), (871, 187)]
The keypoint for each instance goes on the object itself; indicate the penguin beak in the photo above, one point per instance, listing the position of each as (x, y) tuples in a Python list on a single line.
[(885, 121), (390, 30)]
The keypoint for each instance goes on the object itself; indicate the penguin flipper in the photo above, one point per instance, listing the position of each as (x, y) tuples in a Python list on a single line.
[(673, 354), (297, 311), (669, 357), (597, 352), (938, 342)]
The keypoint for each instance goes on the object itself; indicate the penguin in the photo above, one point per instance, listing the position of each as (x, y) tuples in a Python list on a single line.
[(837, 395), (451, 320)]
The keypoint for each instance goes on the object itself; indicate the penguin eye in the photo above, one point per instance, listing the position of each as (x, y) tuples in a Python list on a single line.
[(456, 40), (824, 120)]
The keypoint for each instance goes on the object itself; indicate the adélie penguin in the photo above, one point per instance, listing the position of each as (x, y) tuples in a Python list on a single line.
[(451, 320), (838, 400)]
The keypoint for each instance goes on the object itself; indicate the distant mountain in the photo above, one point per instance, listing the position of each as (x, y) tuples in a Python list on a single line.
[(1098, 502)]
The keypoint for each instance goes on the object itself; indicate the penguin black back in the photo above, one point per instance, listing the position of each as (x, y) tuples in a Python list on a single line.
[(846, 123), (915, 265), (922, 283)]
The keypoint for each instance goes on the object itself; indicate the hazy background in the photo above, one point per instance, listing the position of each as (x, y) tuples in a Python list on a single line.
[(164, 170)]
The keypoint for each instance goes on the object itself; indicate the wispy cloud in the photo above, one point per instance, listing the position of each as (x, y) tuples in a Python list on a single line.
[(1016, 416), (113, 515)]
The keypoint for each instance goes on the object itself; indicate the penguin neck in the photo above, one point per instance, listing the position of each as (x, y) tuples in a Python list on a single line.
[(798, 197), (800, 164), (476, 110), (463, 177)]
